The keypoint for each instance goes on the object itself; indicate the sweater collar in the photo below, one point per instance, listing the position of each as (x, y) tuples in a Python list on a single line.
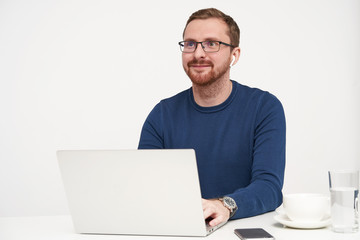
[(217, 107)]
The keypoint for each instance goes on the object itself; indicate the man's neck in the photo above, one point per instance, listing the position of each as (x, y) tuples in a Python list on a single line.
[(213, 94)]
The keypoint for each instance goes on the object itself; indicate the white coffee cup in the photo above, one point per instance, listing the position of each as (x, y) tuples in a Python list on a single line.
[(306, 207)]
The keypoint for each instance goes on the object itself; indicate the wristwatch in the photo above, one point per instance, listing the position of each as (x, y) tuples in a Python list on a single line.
[(230, 204)]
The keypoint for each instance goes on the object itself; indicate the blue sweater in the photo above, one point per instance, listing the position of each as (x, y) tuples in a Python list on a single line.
[(239, 144)]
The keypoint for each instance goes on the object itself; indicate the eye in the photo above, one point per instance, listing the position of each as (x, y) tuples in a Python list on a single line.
[(211, 44), (189, 44)]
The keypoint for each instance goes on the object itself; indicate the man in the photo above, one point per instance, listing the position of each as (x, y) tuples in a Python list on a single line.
[(238, 132)]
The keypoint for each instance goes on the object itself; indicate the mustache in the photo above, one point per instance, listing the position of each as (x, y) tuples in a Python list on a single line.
[(201, 62)]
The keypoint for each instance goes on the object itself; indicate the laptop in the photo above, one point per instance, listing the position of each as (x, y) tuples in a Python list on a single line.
[(134, 192)]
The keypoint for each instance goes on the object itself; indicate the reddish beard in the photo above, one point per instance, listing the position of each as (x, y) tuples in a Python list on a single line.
[(205, 79)]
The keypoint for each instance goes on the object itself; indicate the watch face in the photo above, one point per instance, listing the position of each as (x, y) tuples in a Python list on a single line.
[(230, 202)]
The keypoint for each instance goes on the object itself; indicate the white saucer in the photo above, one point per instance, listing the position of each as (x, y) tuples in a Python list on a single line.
[(283, 219)]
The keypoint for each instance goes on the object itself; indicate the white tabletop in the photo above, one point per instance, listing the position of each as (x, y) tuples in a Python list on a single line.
[(60, 227)]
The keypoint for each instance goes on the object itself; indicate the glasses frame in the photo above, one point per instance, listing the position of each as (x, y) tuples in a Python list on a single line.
[(181, 44)]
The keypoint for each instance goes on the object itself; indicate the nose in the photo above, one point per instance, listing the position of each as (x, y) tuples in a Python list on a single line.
[(199, 51)]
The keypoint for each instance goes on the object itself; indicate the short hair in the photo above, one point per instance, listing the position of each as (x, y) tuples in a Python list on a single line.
[(233, 29)]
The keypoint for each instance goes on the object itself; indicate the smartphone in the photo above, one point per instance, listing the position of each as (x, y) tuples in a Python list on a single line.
[(253, 234)]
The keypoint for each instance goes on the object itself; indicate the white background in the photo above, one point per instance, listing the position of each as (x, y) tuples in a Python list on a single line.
[(85, 74)]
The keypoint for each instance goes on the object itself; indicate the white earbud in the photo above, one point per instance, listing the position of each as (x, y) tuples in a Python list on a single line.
[(232, 62)]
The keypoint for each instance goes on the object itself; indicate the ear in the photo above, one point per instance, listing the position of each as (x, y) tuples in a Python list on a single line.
[(236, 55), (232, 62)]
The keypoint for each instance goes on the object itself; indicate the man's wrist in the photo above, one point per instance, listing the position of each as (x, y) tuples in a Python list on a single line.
[(230, 204)]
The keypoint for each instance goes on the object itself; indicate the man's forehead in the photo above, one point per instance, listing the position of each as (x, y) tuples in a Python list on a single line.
[(206, 29)]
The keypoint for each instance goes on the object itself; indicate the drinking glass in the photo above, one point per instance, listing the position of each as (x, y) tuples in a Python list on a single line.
[(344, 191)]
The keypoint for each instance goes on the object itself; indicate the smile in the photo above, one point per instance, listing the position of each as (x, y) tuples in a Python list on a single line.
[(200, 66)]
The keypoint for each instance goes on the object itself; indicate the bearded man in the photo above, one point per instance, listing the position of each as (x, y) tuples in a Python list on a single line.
[(237, 132)]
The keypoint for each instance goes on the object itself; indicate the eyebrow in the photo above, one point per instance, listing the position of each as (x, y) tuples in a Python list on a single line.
[(207, 39)]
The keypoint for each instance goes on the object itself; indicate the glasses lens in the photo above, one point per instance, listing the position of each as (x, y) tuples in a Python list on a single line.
[(208, 46), (211, 46), (187, 46)]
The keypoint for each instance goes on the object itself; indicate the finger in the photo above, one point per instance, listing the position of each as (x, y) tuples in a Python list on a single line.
[(207, 213), (216, 221)]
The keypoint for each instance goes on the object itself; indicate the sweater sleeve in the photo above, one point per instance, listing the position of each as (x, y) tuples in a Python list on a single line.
[(152, 133), (263, 194)]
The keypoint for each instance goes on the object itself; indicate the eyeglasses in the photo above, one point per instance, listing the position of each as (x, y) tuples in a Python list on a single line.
[(207, 46)]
